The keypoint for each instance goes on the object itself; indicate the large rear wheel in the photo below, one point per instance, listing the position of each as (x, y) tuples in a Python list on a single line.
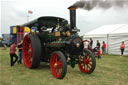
[(87, 62), (31, 51), (58, 65)]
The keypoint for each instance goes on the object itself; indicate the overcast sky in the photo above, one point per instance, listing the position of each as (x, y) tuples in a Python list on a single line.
[(15, 12)]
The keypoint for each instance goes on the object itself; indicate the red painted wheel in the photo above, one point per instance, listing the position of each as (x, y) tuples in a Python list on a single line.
[(31, 51), (27, 51), (58, 65), (87, 62)]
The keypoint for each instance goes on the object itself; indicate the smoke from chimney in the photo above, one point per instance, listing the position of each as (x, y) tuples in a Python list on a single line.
[(105, 4)]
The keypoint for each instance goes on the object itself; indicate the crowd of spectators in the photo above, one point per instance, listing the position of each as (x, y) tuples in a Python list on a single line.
[(89, 44)]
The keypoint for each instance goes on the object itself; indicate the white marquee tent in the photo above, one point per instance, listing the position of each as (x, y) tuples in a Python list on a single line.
[(113, 35)]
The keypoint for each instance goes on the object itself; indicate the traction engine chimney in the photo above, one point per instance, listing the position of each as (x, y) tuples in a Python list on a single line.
[(72, 17)]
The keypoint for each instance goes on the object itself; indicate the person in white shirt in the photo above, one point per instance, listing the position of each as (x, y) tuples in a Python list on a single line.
[(85, 44)]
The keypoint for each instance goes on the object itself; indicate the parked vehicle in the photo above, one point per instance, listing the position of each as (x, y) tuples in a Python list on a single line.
[(6, 39)]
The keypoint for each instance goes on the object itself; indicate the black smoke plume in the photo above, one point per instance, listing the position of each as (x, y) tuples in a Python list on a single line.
[(105, 4)]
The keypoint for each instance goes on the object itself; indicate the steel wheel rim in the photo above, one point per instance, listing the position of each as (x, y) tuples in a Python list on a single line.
[(56, 65), (85, 63), (27, 52)]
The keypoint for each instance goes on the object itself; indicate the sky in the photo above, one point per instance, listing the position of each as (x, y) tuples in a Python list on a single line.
[(15, 12)]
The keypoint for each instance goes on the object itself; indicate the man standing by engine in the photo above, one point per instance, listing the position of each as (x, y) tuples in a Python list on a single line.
[(20, 52), (98, 44), (13, 54), (85, 43), (91, 42)]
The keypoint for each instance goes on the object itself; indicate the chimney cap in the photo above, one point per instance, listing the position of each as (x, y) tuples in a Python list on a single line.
[(72, 7)]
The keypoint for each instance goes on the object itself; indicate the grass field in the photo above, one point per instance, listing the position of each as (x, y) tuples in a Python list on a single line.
[(110, 70)]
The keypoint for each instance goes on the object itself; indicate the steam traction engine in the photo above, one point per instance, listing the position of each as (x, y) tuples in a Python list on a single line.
[(56, 42)]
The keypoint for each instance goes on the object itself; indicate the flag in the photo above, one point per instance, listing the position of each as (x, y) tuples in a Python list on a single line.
[(29, 11)]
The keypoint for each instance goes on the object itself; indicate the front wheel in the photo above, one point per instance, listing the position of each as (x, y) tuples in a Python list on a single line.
[(87, 62), (58, 65)]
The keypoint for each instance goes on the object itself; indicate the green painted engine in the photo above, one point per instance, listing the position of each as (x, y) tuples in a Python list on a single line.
[(58, 43)]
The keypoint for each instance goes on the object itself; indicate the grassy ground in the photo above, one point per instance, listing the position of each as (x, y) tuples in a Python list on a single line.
[(110, 70)]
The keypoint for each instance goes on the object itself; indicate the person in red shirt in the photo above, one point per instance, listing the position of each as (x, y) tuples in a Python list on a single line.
[(99, 54), (13, 54), (122, 48), (104, 48)]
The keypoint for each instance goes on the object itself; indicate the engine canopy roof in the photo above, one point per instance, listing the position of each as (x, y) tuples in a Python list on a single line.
[(47, 21)]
